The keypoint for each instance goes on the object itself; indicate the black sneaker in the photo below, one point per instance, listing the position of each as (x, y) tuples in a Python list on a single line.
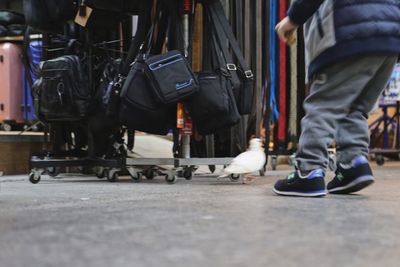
[(353, 178), (312, 185)]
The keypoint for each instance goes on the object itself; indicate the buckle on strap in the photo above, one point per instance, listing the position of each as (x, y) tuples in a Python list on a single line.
[(249, 74), (231, 66)]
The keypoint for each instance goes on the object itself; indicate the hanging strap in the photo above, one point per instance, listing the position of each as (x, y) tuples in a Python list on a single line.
[(223, 45), (144, 22), (217, 11)]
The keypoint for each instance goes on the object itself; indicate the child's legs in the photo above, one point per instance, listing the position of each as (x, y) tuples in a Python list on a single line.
[(352, 137), (332, 97)]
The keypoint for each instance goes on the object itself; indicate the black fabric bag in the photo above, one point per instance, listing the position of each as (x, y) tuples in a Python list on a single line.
[(3, 31), (100, 19), (103, 92), (214, 107), (242, 75), (49, 15), (121, 6), (61, 92), (16, 29), (139, 110), (170, 77), (8, 17)]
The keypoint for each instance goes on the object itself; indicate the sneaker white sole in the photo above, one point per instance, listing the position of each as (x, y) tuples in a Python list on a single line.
[(319, 193), (356, 185)]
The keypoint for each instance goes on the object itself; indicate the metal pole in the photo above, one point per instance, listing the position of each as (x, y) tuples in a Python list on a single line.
[(186, 137), (258, 40)]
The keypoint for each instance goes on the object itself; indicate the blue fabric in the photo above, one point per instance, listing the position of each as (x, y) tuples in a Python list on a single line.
[(301, 10), (273, 60)]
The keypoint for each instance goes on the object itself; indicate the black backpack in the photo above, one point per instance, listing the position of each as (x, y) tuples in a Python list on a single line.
[(61, 92)]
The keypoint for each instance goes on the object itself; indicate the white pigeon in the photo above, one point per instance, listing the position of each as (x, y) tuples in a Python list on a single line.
[(247, 162)]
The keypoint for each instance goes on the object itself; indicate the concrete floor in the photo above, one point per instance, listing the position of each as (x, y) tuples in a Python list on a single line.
[(83, 221)]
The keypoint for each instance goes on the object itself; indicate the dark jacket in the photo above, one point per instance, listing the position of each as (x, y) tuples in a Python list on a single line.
[(339, 29)]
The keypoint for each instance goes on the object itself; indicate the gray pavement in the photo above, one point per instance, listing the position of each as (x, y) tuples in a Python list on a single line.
[(83, 221)]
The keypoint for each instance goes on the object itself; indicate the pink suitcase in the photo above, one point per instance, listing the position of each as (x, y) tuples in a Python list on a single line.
[(10, 85)]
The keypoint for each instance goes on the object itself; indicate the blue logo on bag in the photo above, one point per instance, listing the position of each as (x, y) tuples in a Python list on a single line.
[(182, 85)]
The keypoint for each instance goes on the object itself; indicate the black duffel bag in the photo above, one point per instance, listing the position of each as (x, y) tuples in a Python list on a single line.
[(61, 92), (171, 77), (8, 17), (139, 110), (49, 15)]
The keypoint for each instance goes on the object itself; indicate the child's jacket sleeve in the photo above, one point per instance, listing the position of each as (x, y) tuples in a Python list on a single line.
[(301, 10)]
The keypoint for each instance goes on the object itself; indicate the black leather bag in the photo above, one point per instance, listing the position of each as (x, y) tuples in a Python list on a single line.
[(170, 77), (49, 15), (8, 17), (139, 110), (61, 92)]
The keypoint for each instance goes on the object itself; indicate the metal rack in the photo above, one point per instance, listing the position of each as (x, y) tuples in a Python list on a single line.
[(136, 167), (387, 121)]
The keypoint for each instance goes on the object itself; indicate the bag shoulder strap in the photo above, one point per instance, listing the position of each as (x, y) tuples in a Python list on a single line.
[(223, 45), (217, 10)]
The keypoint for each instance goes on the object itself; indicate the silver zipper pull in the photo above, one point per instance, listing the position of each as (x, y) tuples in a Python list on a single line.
[(60, 91)]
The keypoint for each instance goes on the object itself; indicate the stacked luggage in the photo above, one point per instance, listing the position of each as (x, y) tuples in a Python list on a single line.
[(16, 108), (11, 85)]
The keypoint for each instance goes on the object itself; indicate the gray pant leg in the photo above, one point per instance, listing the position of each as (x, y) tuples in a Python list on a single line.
[(352, 137), (335, 93)]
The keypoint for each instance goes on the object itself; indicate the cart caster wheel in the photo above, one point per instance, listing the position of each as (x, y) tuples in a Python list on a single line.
[(274, 163), (234, 177), (6, 127), (53, 171), (101, 173), (149, 174), (35, 128), (380, 160), (171, 178), (137, 177), (112, 176), (211, 168), (188, 174), (34, 178)]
